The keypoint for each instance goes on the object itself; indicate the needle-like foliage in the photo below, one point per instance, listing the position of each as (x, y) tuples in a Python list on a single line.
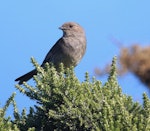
[(65, 103)]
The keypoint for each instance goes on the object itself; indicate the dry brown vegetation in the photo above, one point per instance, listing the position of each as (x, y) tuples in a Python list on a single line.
[(134, 59)]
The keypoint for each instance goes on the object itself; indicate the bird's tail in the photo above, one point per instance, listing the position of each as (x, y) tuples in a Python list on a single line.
[(26, 76)]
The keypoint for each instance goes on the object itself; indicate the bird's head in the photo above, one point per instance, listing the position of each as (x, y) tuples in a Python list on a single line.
[(71, 29)]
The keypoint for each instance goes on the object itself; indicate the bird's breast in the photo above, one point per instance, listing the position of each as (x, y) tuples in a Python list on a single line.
[(73, 50)]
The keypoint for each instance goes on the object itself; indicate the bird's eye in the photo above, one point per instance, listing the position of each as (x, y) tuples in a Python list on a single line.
[(70, 26)]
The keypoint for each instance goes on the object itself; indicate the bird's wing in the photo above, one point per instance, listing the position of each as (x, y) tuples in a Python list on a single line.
[(56, 49)]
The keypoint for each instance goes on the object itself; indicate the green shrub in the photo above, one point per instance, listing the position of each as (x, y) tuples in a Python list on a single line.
[(5, 123), (65, 103)]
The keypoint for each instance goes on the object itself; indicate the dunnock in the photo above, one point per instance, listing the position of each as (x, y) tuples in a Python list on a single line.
[(69, 49)]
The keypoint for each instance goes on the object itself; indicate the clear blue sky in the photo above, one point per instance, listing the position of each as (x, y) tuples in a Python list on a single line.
[(30, 28)]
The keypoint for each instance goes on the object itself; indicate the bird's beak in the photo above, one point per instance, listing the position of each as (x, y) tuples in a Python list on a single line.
[(61, 28)]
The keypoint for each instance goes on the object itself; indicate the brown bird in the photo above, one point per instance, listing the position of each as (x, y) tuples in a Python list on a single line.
[(69, 49)]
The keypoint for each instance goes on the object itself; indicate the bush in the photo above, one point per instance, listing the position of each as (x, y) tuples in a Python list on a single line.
[(65, 103)]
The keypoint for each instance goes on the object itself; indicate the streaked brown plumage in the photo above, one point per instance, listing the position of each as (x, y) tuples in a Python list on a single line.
[(69, 49)]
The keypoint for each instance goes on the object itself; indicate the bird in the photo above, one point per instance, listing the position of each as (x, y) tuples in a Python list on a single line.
[(69, 49)]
